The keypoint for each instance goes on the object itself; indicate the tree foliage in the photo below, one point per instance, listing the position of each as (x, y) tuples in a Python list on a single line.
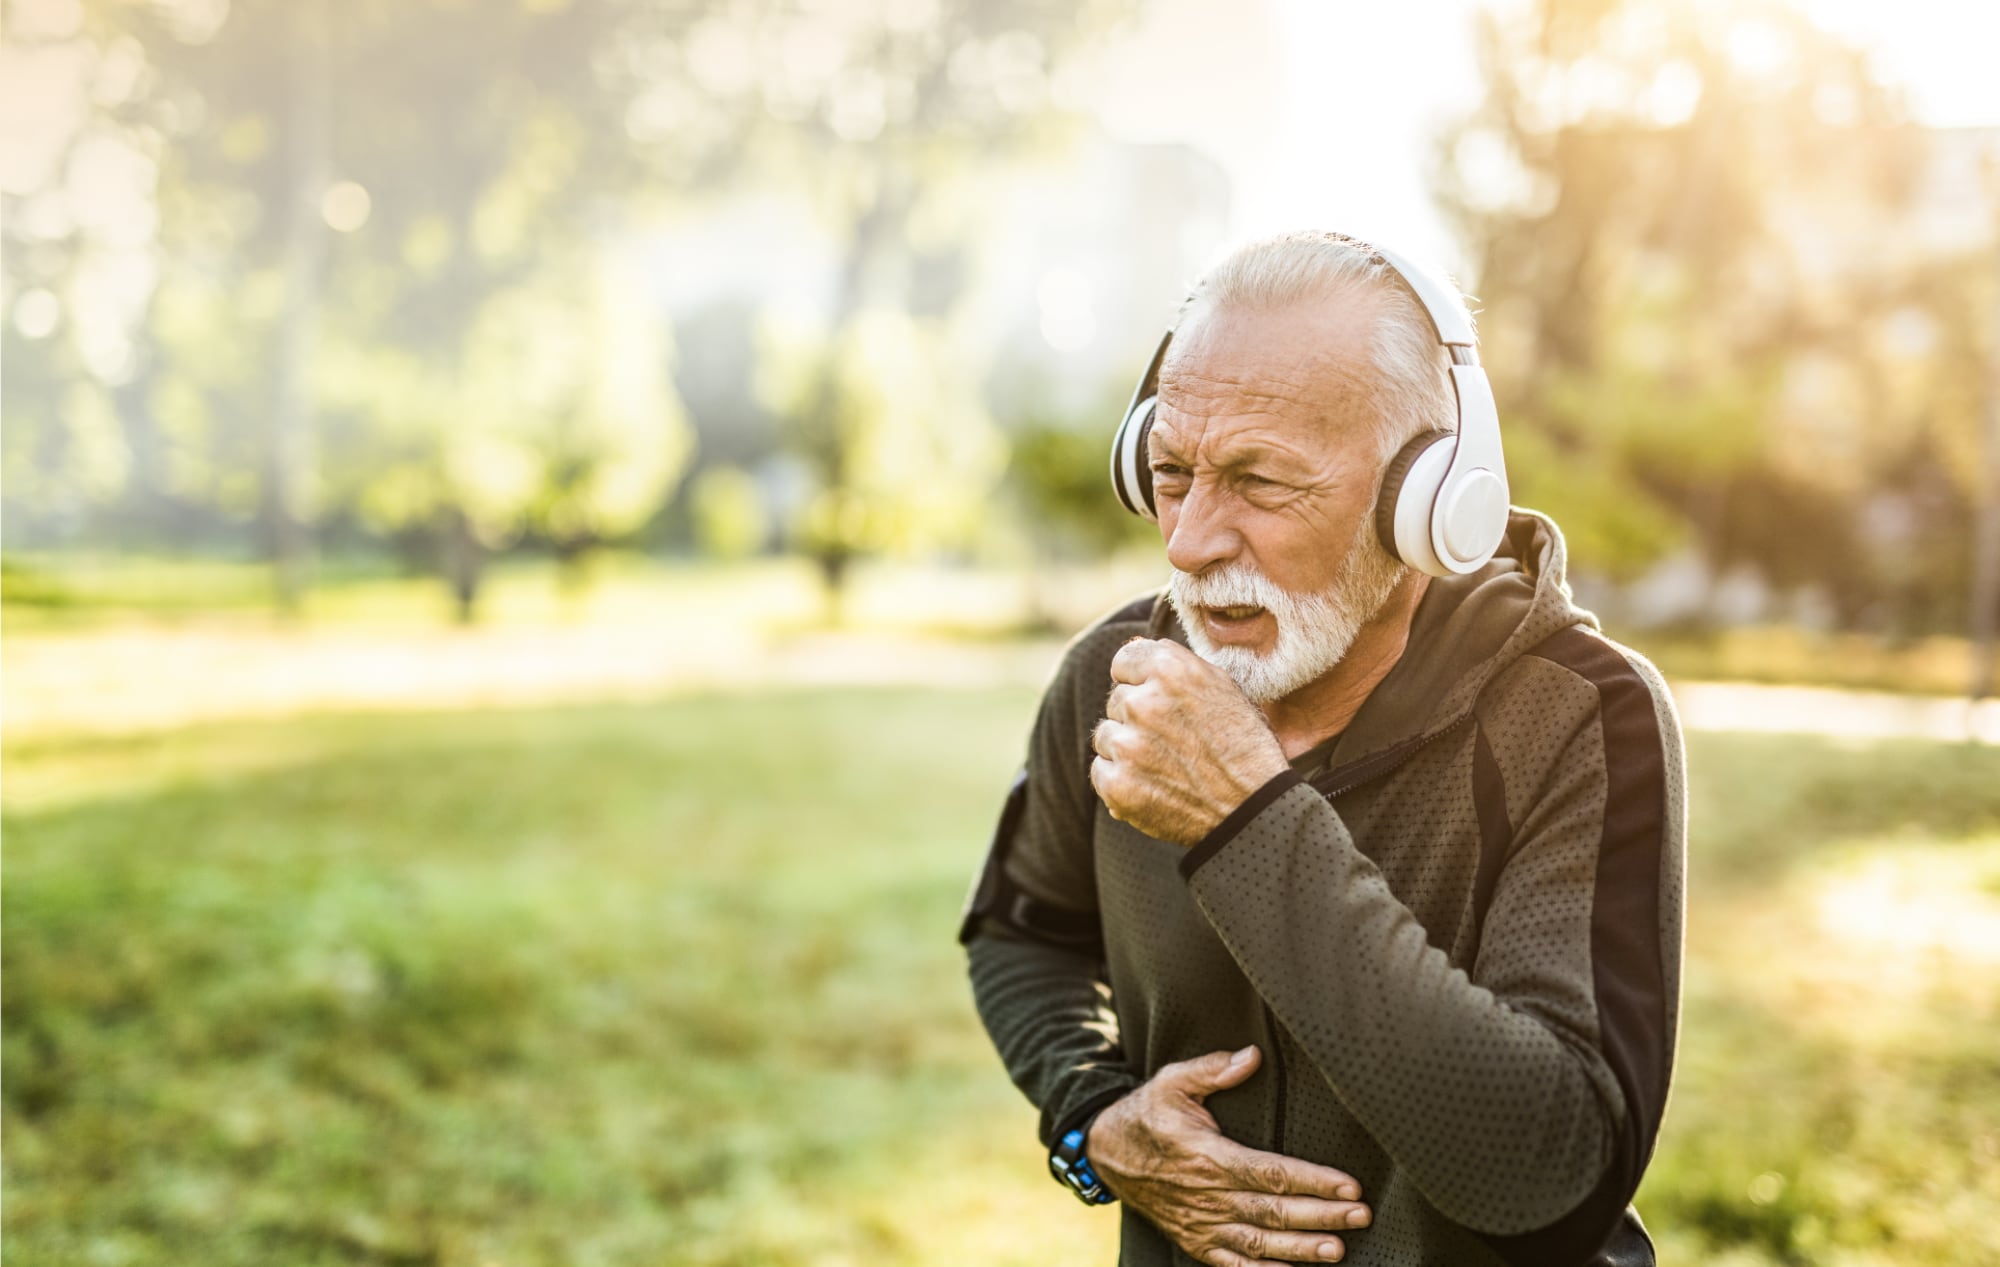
[(375, 289), (1714, 313), (892, 115), (397, 210)]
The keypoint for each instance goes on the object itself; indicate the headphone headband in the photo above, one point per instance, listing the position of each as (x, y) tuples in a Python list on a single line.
[(1443, 503), (1441, 302)]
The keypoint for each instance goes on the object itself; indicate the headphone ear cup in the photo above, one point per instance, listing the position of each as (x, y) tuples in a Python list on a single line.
[(1131, 473), (1394, 478)]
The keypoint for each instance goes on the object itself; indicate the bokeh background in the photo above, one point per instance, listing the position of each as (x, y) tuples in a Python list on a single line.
[(533, 531)]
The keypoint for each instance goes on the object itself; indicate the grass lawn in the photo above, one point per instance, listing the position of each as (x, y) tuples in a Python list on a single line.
[(676, 983)]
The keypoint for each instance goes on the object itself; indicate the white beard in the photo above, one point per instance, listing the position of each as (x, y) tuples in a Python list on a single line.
[(1314, 630)]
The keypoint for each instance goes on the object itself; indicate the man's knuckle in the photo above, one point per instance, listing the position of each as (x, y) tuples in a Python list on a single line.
[(1213, 1202), (1269, 1175), (1264, 1210), (1205, 1170)]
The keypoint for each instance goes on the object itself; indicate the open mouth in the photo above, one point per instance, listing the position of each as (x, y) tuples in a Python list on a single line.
[(1233, 615)]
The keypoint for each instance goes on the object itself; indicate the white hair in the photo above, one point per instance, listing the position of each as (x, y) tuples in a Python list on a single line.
[(1413, 391)]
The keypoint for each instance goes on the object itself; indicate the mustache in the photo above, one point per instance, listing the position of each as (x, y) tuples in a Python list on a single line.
[(1231, 587)]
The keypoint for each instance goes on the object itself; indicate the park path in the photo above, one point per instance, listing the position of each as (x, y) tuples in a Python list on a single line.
[(1834, 712), (142, 678)]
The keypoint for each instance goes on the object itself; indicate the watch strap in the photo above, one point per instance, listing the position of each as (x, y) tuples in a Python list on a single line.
[(1071, 1166)]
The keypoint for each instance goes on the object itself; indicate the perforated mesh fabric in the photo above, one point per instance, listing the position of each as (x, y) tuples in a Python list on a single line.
[(1495, 1088)]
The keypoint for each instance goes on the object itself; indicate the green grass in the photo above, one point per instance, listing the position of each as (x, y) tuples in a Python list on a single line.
[(676, 983)]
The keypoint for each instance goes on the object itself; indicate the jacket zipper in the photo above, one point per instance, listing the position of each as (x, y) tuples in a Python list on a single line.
[(1278, 1076), (1367, 770)]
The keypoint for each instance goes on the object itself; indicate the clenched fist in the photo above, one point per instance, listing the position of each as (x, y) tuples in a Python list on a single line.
[(1180, 746)]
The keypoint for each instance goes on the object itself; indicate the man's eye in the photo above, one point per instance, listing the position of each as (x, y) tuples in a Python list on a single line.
[(1168, 468)]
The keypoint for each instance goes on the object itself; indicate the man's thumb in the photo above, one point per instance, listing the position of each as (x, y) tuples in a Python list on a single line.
[(1217, 1070)]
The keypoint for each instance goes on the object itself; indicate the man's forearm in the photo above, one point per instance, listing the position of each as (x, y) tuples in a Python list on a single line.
[(1049, 1013)]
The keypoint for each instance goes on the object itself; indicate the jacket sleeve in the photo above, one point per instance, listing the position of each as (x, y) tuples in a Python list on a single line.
[(1522, 1098), (1049, 1014), (1033, 941)]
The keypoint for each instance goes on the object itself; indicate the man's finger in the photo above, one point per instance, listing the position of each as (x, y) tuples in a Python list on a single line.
[(1263, 1245), (1102, 772), (1104, 740), (1223, 1256), (1298, 1214), (1117, 705), (1205, 1075), (1138, 659), (1258, 1171)]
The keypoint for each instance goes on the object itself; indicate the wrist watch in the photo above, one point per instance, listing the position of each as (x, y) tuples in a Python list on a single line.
[(1073, 1170)]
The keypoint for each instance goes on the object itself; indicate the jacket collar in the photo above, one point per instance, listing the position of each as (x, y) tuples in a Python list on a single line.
[(1465, 630)]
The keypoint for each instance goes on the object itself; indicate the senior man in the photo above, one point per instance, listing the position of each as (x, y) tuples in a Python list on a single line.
[(1336, 915)]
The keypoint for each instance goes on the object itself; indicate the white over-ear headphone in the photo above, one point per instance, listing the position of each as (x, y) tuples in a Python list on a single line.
[(1442, 507)]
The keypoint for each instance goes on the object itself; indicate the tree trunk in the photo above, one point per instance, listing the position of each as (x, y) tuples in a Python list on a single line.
[(289, 458), (1986, 517), (576, 560), (827, 445), (464, 564), (834, 561)]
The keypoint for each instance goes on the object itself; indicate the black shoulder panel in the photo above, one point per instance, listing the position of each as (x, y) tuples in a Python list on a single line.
[(995, 896), (1625, 953)]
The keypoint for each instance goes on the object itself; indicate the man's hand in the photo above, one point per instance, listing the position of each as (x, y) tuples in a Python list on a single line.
[(1180, 746), (1160, 1151)]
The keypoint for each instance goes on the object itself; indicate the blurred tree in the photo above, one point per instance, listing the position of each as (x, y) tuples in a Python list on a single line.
[(888, 112), (1706, 281), (555, 416), (1061, 490), (75, 274), (1058, 471), (1058, 485), (729, 518), (899, 439), (1986, 528), (399, 185)]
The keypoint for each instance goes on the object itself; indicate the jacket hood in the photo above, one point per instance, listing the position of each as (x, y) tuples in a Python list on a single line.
[(1466, 629)]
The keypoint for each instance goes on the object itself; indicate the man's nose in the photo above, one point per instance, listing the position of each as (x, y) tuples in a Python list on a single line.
[(1201, 533)]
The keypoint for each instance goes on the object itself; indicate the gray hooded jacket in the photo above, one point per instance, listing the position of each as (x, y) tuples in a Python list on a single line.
[(1454, 928)]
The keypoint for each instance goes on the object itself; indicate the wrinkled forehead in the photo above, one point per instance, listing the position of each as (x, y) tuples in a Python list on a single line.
[(1303, 374)]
